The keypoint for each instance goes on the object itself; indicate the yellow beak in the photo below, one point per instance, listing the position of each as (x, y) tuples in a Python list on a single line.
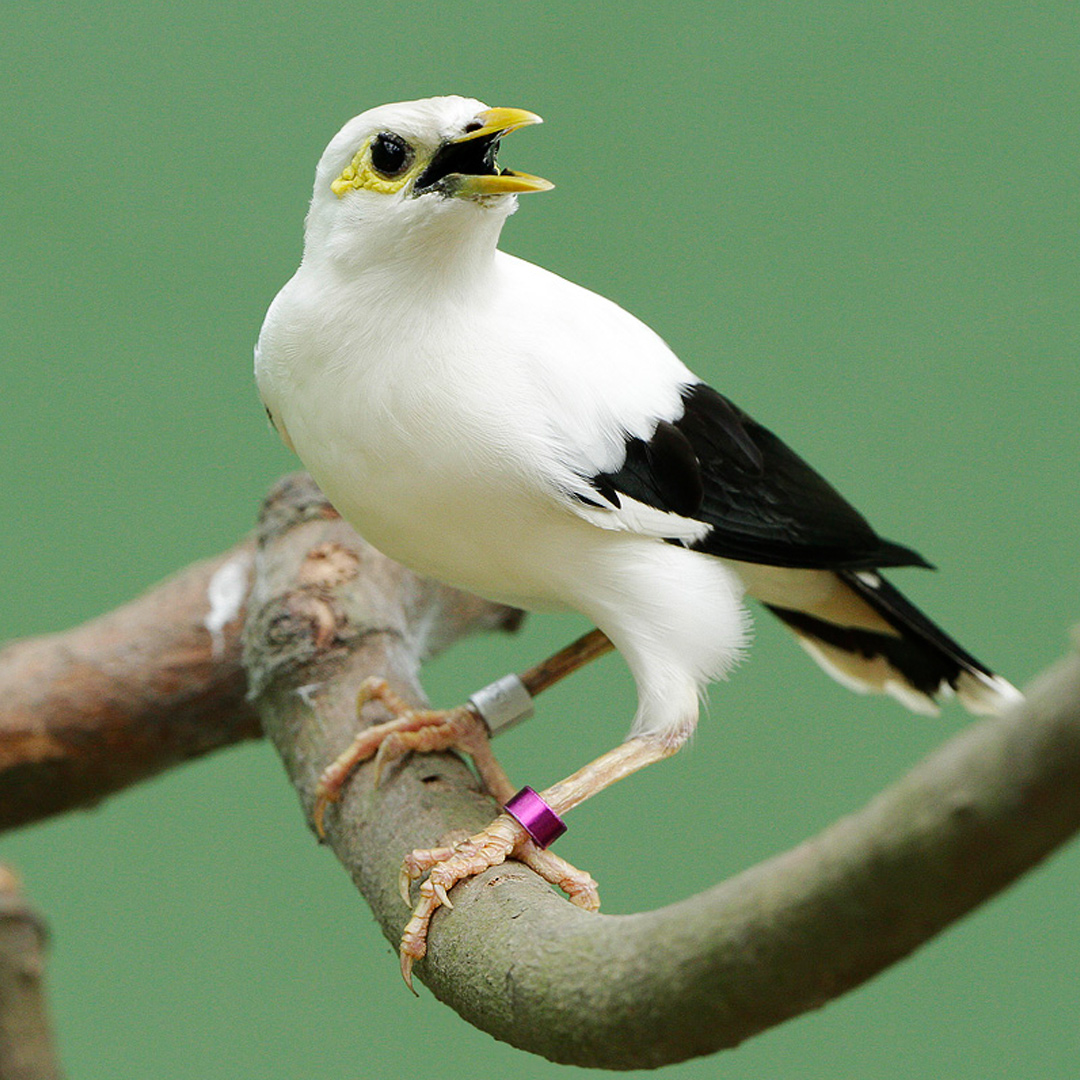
[(495, 123), (500, 122)]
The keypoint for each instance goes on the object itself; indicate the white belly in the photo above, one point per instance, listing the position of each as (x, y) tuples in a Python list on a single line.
[(473, 539), (432, 498)]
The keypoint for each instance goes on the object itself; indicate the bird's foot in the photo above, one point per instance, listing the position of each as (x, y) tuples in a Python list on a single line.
[(423, 730), (446, 866)]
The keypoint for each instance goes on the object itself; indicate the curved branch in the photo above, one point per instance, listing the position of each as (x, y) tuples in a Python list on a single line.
[(159, 681), (689, 979)]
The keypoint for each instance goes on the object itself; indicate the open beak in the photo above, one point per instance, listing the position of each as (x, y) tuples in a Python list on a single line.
[(465, 167)]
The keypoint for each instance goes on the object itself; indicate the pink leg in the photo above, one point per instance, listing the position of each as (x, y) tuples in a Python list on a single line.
[(430, 730), (505, 838)]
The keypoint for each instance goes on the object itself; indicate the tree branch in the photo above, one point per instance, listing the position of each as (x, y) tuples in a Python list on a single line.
[(157, 682), (160, 681), (645, 990), (26, 1047)]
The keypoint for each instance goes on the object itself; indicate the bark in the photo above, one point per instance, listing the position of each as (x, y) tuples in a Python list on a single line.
[(26, 1046)]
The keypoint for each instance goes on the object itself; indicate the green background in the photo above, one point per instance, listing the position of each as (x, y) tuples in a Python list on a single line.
[(858, 220)]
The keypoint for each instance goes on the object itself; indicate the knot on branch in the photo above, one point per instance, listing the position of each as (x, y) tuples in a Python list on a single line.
[(293, 500), (307, 557)]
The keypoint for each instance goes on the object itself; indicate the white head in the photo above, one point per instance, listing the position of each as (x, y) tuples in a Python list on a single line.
[(406, 181)]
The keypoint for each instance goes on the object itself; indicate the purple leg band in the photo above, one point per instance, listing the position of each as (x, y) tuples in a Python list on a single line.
[(535, 817)]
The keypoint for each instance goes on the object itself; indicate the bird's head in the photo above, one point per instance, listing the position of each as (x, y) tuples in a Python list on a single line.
[(400, 179)]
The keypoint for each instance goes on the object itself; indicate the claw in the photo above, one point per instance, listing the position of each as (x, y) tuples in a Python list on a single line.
[(414, 939), (323, 798), (404, 881), (380, 760), (588, 899), (406, 972), (440, 892), (391, 748), (372, 687)]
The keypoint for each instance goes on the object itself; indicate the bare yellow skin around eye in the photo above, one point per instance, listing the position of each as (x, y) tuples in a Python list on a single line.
[(359, 174)]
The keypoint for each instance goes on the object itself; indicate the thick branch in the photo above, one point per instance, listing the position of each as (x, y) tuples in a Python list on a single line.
[(26, 1046), (645, 990), (123, 697)]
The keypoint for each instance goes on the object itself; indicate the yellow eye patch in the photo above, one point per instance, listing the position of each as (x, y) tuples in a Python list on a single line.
[(359, 173)]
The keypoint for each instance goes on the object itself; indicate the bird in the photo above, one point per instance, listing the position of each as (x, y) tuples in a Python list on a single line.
[(495, 426)]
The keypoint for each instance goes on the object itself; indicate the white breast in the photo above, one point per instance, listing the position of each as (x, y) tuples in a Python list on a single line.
[(450, 432)]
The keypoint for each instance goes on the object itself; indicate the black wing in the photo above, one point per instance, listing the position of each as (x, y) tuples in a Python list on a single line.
[(761, 501)]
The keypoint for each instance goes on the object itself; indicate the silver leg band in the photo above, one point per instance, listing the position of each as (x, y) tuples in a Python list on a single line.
[(502, 703)]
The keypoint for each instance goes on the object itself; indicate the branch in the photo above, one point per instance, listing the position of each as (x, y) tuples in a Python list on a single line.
[(157, 682), (26, 1048), (645, 990)]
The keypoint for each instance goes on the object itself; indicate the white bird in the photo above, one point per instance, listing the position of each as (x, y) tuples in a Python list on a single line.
[(506, 431)]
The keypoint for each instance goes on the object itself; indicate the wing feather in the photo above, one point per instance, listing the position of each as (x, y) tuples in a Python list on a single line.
[(723, 484)]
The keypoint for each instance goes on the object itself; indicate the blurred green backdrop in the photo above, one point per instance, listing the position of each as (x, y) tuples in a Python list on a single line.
[(858, 220)]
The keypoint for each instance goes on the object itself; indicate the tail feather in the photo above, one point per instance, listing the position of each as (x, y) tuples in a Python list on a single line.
[(912, 659)]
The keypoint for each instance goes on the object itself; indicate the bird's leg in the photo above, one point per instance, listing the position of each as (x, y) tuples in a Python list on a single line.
[(505, 837), (566, 661), (466, 728)]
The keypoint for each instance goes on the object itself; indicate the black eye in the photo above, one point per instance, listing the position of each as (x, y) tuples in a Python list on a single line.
[(390, 154)]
